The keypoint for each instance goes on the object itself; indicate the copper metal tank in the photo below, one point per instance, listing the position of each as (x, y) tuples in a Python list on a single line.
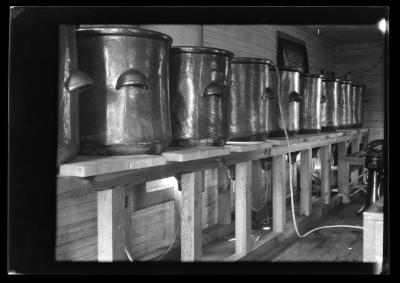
[(358, 109), (344, 105), (128, 110), (249, 99), (329, 105), (199, 89), (290, 99), (71, 82), (310, 105)]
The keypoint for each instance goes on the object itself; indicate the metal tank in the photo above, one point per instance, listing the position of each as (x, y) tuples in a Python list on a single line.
[(290, 99), (199, 89), (329, 105), (128, 110), (344, 105), (310, 105), (71, 82), (249, 99), (358, 109)]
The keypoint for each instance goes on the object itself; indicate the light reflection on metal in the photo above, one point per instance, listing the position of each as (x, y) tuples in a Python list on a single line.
[(310, 106), (128, 110), (249, 99), (199, 95)]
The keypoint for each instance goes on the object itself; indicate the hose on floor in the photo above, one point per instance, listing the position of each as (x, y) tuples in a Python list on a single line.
[(283, 121)]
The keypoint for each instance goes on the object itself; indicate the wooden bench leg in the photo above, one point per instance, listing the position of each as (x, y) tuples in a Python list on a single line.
[(305, 182), (365, 139), (224, 197), (325, 155), (257, 194), (343, 173), (279, 193), (191, 218), (355, 147), (111, 225), (243, 207)]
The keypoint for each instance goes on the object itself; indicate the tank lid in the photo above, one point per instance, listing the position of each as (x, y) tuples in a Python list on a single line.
[(201, 50), (358, 85), (248, 60), (291, 69), (345, 82), (127, 30), (313, 75)]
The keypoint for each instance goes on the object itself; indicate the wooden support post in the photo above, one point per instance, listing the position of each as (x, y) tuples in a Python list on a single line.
[(243, 207), (355, 147), (305, 182), (325, 155), (279, 193), (257, 193), (129, 209), (365, 139), (111, 225), (343, 173), (224, 197), (191, 219)]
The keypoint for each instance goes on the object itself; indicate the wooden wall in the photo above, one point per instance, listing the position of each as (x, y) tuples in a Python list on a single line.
[(260, 41), (76, 214), (361, 57)]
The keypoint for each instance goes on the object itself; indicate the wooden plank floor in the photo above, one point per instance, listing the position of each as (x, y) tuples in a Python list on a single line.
[(328, 245)]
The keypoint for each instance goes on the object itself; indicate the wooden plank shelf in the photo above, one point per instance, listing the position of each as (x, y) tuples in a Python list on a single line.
[(195, 153), (334, 134), (315, 137), (349, 131), (189, 165), (282, 140), (247, 146), (85, 166)]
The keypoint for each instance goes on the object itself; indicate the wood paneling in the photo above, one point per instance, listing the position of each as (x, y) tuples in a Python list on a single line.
[(76, 234), (181, 34), (260, 41), (152, 229)]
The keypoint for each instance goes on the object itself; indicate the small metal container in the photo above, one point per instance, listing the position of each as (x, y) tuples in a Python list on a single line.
[(199, 89), (290, 99), (310, 105), (329, 105), (344, 105), (71, 82), (127, 112), (249, 99)]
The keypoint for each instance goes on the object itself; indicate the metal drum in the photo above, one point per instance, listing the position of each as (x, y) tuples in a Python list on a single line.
[(199, 89), (310, 105), (71, 81), (128, 110), (358, 109), (249, 98), (290, 99), (344, 102), (329, 105)]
